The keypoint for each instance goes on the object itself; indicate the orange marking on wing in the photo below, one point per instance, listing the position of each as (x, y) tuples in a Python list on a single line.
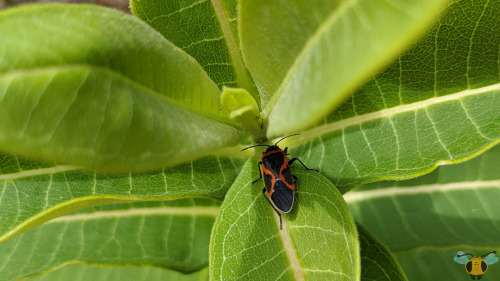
[(267, 172), (282, 177)]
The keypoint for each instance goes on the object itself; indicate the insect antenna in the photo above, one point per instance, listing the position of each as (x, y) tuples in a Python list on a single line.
[(465, 255), (494, 252), (285, 138), (254, 146), (267, 144)]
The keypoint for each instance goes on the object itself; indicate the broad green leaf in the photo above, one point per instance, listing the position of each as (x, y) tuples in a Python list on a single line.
[(207, 30), (377, 262), (32, 193), (172, 234), (318, 240), (451, 209), (94, 87), (307, 56), (437, 103), (82, 272)]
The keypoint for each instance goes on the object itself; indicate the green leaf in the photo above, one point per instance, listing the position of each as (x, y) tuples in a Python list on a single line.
[(32, 193), (307, 57), (207, 30), (428, 219), (171, 234), (98, 88), (82, 272), (438, 103), (318, 240), (377, 262)]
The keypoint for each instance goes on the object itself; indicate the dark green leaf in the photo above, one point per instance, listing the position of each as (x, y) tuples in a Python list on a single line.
[(438, 103), (426, 220), (438, 264), (207, 30), (32, 193), (377, 262)]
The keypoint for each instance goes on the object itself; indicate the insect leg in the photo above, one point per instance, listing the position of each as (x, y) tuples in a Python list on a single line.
[(293, 160), (277, 212), (260, 172)]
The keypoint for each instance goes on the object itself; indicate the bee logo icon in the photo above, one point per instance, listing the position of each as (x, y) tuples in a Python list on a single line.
[(476, 267)]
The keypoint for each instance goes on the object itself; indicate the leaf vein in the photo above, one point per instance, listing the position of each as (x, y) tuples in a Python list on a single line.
[(359, 119)]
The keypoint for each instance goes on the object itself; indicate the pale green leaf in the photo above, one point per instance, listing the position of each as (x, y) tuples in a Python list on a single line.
[(32, 193), (243, 108), (98, 88), (207, 30), (318, 240), (377, 262), (308, 56), (426, 220), (438, 103), (82, 272), (172, 234)]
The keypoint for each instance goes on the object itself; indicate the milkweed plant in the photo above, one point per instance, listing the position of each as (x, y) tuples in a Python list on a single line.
[(121, 139)]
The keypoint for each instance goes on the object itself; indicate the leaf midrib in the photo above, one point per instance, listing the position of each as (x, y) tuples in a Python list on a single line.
[(75, 204), (38, 172), (117, 75), (210, 211), (391, 192), (241, 73), (291, 252), (389, 112)]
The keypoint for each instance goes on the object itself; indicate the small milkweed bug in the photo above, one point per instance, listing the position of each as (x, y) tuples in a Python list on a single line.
[(476, 267), (278, 179)]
